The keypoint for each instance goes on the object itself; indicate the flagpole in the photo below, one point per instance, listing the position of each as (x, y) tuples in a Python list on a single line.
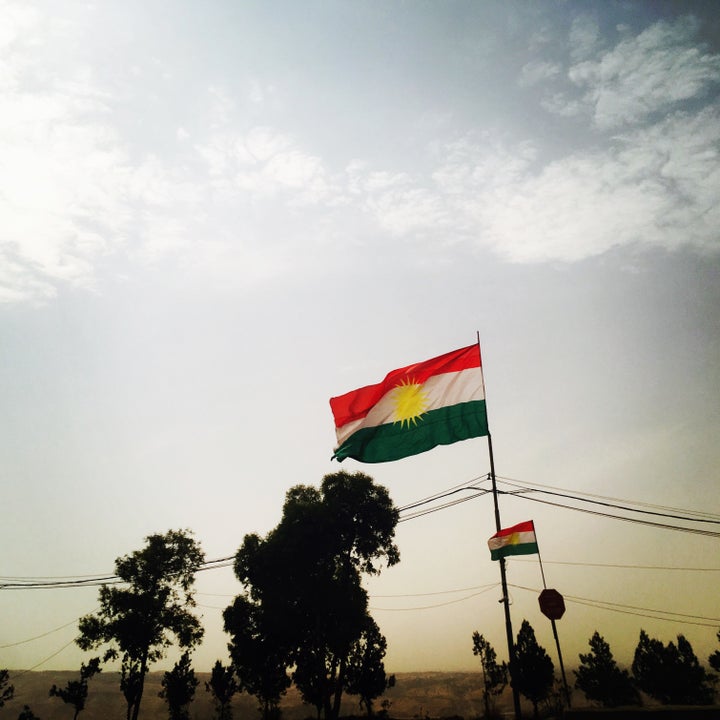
[(503, 575), (554, 629)]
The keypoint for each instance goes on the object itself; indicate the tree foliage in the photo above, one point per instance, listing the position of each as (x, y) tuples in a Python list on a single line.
[(671, 673), (601, 680), (365, 674), (258, 652), (222, 686), (139, 621), (714, 659), (7, 691), (27, 714), (304, 600), (494, 675), (178, 688), (76, 691), (532, 672)]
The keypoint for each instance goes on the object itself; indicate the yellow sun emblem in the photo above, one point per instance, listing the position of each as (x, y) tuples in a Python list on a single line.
[(410, 402)]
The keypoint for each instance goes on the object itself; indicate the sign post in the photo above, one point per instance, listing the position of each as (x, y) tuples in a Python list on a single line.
[(552, 606)]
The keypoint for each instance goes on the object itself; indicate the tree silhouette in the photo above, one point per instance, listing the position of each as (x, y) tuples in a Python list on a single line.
[(76, 691), (671, 673), (494, 675), (222, 686), (365, 674), (179, 686), (259, 653), (714, 659), (601, 679), (7, 691), (131, 684), (532, 672), (304, 582), (139, 622), (27, 714)]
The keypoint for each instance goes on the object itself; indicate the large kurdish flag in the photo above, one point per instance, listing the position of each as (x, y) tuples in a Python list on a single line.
[(516, 540), (415, 408)]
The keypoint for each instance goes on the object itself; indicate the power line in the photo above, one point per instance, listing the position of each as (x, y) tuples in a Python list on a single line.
[(634, 609), (649, 523), (621, 566), (614, 505), (522, 492), (600, 605), (445, 493), (54, 585), (579, 495), (428, 594), (42, 662), (45, 634), (70, 582), (60, 582), (444, 506), (429, 607)]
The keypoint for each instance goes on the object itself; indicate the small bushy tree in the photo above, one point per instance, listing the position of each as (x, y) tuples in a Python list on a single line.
[(76, 691), (140, 619), (494, 675), (601, 680), (7, 691), (27, 714), (671, 673), (532, 672), (178, 688), (714, 659), (258, 652), (365, 674), (222, 686)]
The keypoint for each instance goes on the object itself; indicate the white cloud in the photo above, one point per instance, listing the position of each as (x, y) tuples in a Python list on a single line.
[(584, 38), (409, 212), (61, 183), (73, 193), (538, 71), (647, 74), (251, 201), (574, 208), (560, 104), (263, 163), (658, 186)]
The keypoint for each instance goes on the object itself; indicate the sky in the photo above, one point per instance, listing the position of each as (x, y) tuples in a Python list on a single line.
[(216, 216)]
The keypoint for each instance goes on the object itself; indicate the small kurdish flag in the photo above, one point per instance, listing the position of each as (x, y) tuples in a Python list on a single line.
[(516, 540), (415, 408)]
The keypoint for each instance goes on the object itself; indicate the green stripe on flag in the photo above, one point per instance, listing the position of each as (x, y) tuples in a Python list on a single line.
[(520, 549), (393, 441)]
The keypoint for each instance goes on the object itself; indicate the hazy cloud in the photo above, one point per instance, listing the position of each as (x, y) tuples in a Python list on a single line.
[(584, 38), (647, 74), (657, 185), (536, 72), (257, 198)]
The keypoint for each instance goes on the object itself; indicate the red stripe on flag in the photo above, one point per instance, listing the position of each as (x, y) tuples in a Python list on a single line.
[(356, 404), (528, 526)]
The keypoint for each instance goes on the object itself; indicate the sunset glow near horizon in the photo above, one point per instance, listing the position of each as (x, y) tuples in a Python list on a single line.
[(216, 216)]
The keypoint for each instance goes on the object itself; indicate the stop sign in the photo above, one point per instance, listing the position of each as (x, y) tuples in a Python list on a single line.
[(552, 604)]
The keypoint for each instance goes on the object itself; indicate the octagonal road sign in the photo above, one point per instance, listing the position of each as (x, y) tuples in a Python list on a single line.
[(552, 604)]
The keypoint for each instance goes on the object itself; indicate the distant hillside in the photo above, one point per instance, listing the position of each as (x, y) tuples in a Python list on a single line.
[(416, 695)]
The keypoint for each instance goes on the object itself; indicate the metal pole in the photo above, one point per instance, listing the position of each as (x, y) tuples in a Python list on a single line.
[(555, 632), (560, 658), (505, 598), (503, 575)]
